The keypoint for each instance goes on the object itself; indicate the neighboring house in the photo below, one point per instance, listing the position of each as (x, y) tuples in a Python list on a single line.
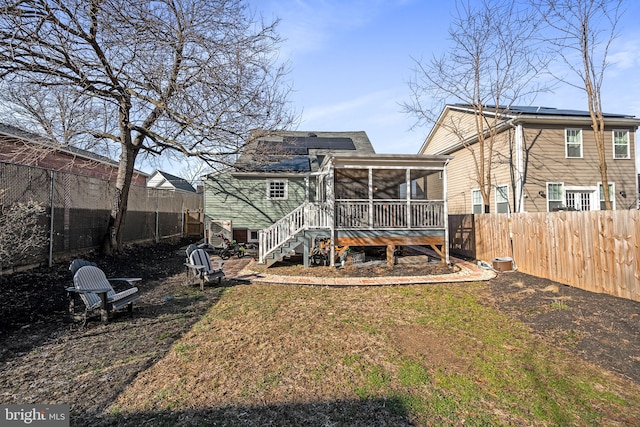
[(288, 190), (165, 181), (544, 159), (25, 148)]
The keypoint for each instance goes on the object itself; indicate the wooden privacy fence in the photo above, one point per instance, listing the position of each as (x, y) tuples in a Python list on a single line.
[(194, 223), (598, 251)]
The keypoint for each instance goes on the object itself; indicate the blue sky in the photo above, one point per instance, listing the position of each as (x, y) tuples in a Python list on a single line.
[(351, 59)]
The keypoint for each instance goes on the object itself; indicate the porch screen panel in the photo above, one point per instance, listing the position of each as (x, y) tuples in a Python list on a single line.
[(426, 184), (351, 184), (389, 184)]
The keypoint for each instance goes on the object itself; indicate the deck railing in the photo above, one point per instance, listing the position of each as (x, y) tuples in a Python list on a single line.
[(363, 214), (352, 215)]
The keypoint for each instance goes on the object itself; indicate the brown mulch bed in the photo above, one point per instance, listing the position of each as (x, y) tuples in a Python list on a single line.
[(47, 357), (602, 329), (408, 266)]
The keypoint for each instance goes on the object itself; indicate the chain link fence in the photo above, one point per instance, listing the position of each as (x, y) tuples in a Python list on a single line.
[(77, 210)]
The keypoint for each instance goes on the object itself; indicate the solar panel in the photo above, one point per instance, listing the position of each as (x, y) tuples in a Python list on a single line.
[(283, 148), (321, 143), (291, 154), (331, 143), (282, 164)]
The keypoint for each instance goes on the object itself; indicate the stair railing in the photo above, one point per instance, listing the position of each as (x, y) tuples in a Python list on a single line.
[(307, 215)]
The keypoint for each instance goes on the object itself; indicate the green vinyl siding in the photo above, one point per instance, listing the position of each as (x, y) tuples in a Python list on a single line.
[(243, 200)]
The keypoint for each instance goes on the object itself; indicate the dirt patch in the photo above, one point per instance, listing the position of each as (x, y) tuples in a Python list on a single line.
[(434, 348)]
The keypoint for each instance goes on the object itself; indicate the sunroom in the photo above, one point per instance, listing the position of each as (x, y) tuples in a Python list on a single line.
[(374, 200)]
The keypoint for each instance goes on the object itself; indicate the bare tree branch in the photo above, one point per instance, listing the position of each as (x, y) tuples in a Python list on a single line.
[(190, 76), (581, 31), (493, 62)]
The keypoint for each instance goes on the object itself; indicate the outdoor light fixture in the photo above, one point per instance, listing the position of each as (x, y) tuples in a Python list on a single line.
[(623, 194), (541, 194)]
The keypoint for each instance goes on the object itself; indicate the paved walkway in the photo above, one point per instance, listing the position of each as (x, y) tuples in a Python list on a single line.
[(241, 270)]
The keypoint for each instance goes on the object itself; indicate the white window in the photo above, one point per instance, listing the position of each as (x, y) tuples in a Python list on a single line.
[(277, 189), (621, 144), (253, 236), (476, 202), (611, 196), (573, 140), (502, 199), (555, 196)]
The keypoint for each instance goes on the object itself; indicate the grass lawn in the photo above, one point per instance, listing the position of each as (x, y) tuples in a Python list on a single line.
[(413, 355)]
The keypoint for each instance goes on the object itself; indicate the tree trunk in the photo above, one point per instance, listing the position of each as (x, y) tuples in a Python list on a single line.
[(115, 231), (129, 151), (598, 130)]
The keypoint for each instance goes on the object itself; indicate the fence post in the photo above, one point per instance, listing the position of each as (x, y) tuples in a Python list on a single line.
[(182, 212), (157, 228), (52, 207)]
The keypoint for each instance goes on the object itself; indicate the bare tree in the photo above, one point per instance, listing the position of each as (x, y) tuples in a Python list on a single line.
[(187, 76), (582, 32), (491, 64)]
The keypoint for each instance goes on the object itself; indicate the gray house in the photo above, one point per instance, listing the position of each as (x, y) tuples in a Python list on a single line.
[(288, 190)]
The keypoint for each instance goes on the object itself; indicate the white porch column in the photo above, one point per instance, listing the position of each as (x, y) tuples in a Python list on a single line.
[(331, 198)]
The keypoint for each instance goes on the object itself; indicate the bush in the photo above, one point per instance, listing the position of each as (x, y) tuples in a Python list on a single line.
[(21, 235)]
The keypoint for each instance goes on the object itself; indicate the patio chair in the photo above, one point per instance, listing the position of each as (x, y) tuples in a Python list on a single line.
[(192, 247), (79, 262), (97, 293), (199, 267)]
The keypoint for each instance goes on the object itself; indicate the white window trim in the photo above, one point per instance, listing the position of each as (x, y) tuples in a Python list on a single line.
[(481, 203), (566, 144), (249, 239), (286, 189), (495, 197), (562, 195), (613, 144), (613, 195)]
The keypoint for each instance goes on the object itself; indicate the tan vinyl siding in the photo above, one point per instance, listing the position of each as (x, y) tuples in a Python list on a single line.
[(453, 124), (547, 162), (435, 189), (504, 156), (462, 177)]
